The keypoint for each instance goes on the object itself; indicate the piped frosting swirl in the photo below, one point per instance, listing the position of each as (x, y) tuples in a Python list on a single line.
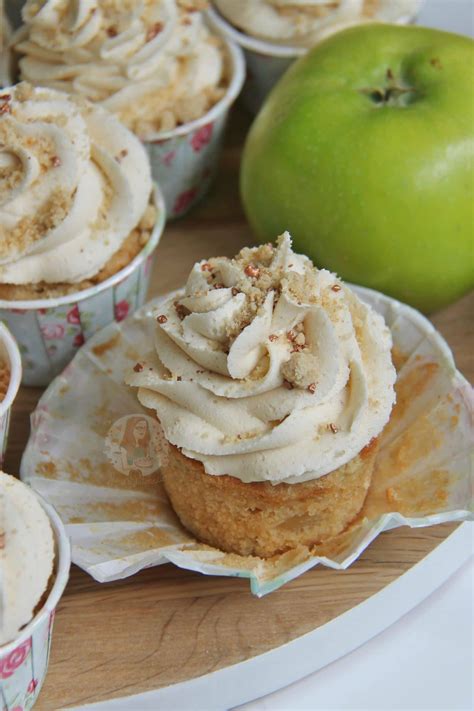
[(74, 183), (268, 369), (153, 63)]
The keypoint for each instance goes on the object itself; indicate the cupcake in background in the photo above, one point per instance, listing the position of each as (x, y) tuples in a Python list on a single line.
[(156, 65), (78, 218), (273, 33), (272, 382)]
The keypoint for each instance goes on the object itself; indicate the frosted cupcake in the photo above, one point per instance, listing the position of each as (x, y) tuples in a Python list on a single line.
[(271, 381), (155, 64), (26, 556), (34, 569), (273, 33), (75, 194), (78, 217)]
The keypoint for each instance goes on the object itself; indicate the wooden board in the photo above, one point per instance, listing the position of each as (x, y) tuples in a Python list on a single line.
[(167, 625)]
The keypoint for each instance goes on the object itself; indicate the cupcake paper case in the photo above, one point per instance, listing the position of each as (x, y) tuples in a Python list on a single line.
[(267, 61), (121, 524), (50, 331), (184, 160)]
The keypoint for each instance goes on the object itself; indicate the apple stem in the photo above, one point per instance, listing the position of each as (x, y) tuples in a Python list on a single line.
[(393, 94)]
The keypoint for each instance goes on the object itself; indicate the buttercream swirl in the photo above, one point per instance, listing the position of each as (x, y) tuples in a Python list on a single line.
[(152, 62), (74, 183), (268, 369), (305, 22)]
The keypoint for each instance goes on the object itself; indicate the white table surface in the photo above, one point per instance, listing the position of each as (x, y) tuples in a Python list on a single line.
[(426, 660)]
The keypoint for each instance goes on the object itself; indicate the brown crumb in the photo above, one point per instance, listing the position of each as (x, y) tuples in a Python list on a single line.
[(55, 161), (336, 287), (333, 428), (252, 271), (181, 310), (162, 318), (138, 367), (112, 31), (312, 388), (153, 31), (273, 337), (123, 154)]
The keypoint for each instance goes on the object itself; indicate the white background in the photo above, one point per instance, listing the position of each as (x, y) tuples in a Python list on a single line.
[(426, 660)]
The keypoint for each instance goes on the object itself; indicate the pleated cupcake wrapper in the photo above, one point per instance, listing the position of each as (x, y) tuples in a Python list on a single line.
[(121, 524), (49, 332), (266, 61), (24, 661), (184, 161)]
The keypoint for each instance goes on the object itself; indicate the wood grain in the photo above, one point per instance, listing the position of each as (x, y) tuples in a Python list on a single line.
[(167, 625)]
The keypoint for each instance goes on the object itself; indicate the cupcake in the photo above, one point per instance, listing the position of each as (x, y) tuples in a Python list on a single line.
[(77, 214), (34, 569), (273, 33), (272, 382), (156, 65), (26, 556)]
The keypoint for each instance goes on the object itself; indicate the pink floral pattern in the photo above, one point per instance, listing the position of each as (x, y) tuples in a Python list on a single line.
[(14, 660), (121, 310), (169, 157), (184, 200), (73, 316), (32, 686), (52, 331), (202, 137), (79, 340)]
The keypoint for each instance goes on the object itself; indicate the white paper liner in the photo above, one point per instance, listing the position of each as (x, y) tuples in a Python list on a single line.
[(120, 525)]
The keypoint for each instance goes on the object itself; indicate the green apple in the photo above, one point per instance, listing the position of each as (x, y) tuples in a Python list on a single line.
[(364, 151)]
